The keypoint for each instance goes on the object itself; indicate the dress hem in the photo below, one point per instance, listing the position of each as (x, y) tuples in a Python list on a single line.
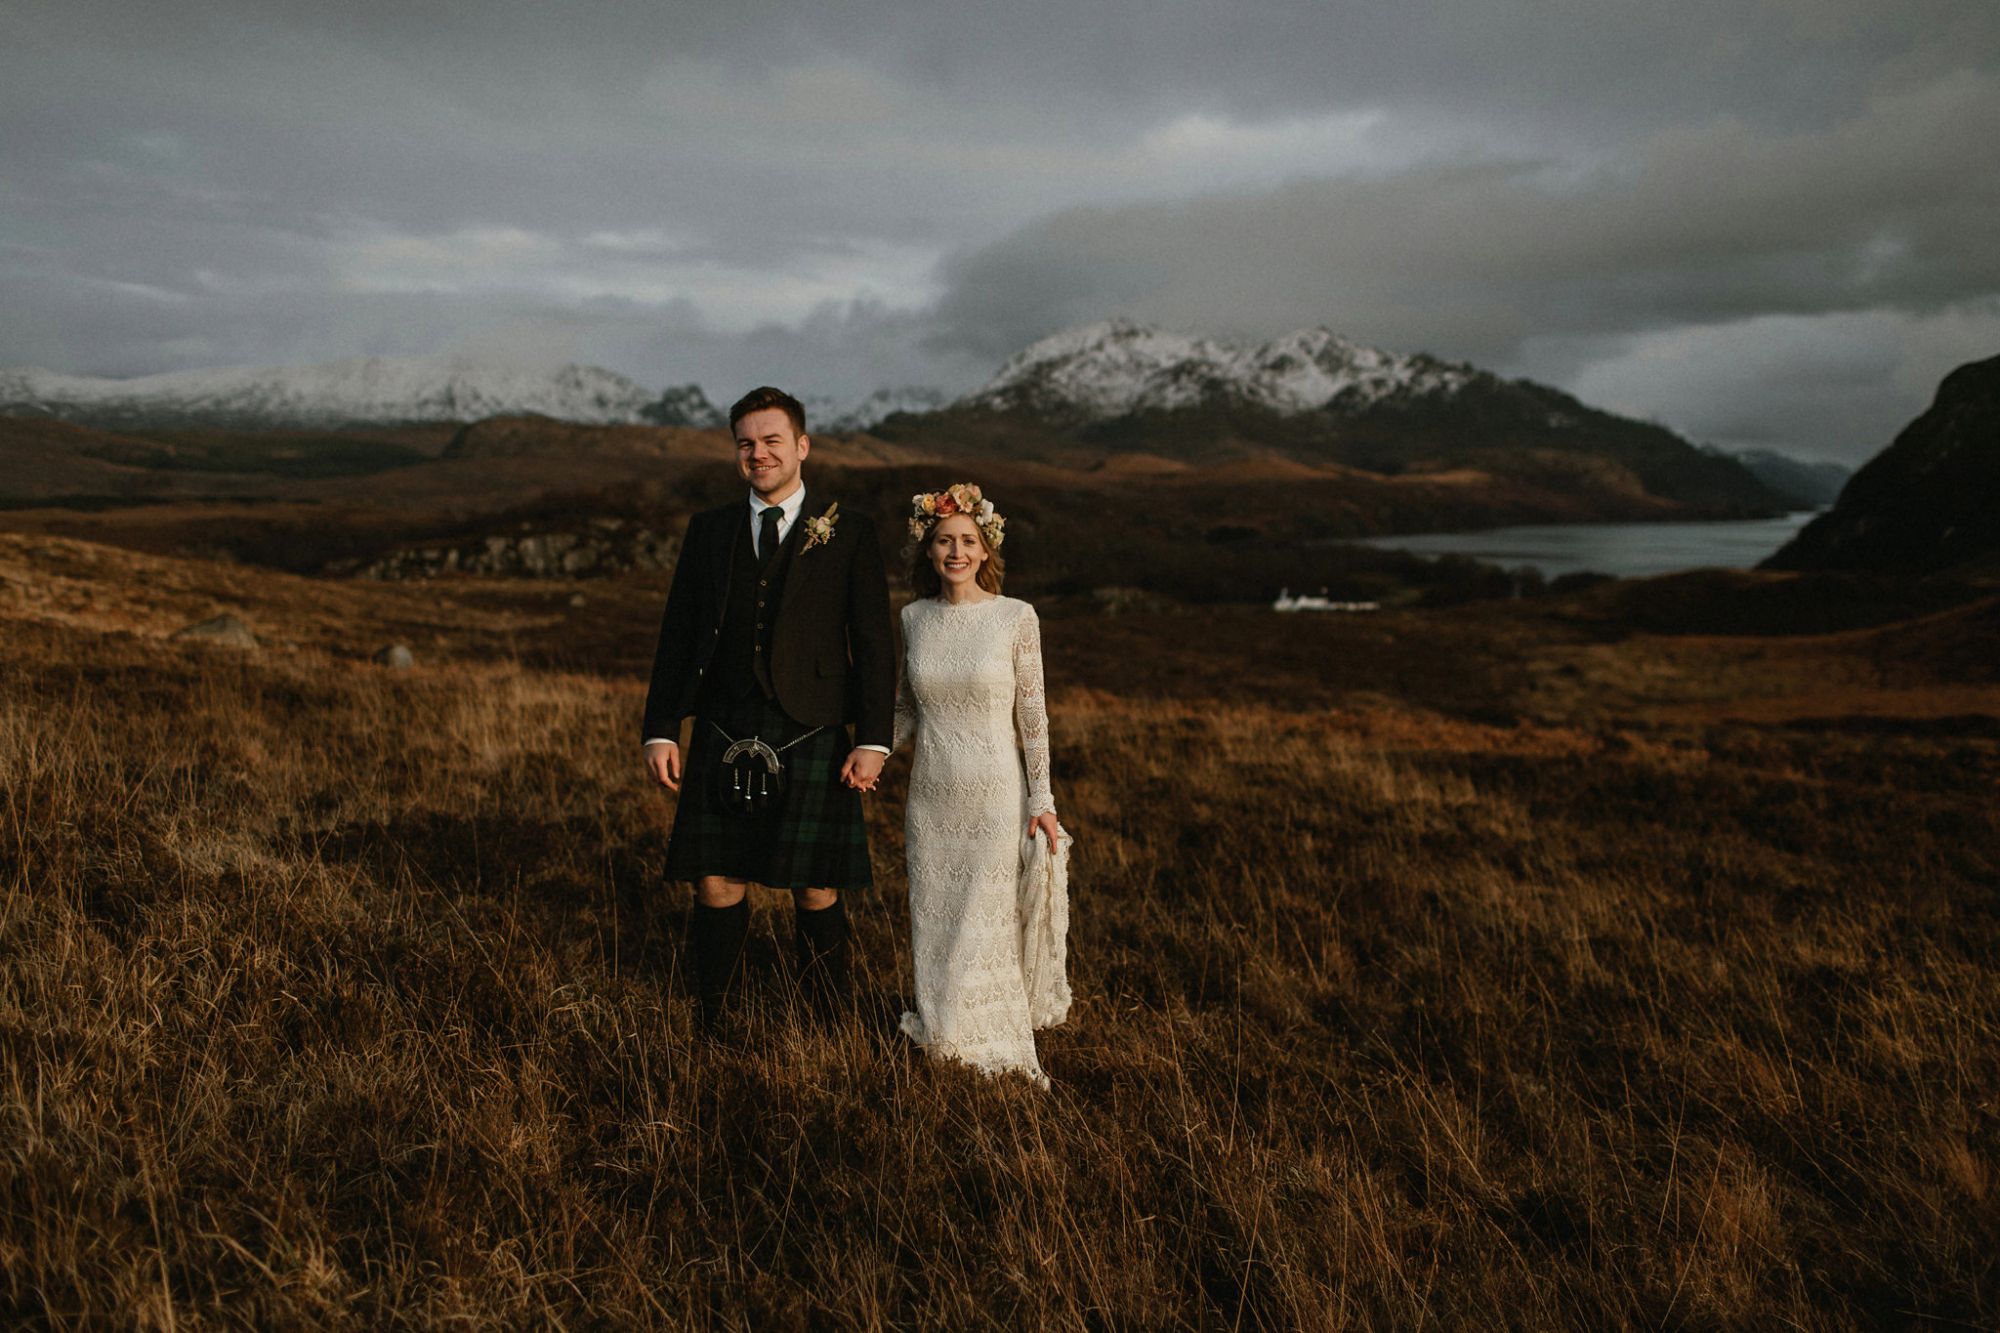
[(912, 1026)]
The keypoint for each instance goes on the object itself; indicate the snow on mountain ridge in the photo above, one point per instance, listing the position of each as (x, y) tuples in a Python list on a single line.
[(1104, 369), (398, 390), (1114, 367), (885, 402), (359, 389), (1098, 371)]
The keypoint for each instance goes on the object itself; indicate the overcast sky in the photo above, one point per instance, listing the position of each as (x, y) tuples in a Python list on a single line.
[(1765, 224)]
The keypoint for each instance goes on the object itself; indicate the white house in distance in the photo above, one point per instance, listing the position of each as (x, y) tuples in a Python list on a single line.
[(1304, 602)]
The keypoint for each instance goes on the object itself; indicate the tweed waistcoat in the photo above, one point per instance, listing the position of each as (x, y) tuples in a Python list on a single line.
[(742, 663)]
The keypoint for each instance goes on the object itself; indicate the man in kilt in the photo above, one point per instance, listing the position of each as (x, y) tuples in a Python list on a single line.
[(775, 639)]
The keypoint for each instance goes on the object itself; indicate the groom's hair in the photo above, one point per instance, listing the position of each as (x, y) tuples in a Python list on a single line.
[(759, 399)]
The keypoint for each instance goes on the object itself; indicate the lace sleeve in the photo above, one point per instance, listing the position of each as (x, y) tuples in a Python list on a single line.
[(1031, 714), (906, 703)]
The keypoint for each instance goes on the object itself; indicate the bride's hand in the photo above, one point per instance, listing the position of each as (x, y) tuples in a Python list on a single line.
[(863, 769), (1046, 824)]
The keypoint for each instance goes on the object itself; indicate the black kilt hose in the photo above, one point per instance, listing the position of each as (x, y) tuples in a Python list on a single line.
[(812, 837)]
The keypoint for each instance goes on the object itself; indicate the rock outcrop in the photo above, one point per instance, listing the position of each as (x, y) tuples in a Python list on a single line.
[(591, 549), (1928, 503), (225, 630)]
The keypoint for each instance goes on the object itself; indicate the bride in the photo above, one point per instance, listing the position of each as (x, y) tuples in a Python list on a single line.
[(987, 859)]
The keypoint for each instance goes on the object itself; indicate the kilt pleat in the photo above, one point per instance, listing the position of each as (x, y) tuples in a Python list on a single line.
[(813, 837)]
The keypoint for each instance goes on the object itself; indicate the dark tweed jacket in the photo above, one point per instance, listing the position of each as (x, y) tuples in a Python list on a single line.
[(832, 647)]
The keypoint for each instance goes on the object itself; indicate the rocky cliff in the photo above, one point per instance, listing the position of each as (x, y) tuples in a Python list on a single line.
[(1928, 503)]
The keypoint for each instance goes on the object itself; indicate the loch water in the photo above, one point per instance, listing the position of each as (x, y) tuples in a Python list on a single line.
[(1627, 550)]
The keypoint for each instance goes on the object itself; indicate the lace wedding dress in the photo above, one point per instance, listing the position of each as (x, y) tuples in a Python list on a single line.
[(972, 696)]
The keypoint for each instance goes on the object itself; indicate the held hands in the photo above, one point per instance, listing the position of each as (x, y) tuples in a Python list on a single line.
[(663, 764), (1046, 825), (863, 769)]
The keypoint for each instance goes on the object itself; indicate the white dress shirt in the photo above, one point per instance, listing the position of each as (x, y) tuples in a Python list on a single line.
[(789, 510)]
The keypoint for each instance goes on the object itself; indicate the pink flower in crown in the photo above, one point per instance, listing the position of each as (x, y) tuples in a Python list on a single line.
[(962, 498)]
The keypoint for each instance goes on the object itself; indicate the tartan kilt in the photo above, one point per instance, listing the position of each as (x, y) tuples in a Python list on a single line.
[(814, 838)]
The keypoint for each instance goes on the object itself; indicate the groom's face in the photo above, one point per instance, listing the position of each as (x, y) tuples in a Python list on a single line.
[(769, 451)]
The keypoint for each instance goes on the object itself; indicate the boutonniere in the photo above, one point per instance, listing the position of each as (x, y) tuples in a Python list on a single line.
[(819, 531)]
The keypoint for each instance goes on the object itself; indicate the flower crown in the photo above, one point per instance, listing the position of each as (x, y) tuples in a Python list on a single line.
[(926, 509)]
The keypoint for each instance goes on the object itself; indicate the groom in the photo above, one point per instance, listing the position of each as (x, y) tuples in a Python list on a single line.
[(776, 637)]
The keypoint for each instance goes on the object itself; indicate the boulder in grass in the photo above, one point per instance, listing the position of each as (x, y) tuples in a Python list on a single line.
[(225, 630), (396, 657)]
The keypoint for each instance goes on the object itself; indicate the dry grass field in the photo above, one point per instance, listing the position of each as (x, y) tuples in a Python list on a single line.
[(1487, 967)]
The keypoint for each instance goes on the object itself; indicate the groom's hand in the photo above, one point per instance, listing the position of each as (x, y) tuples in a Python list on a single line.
[(663, 763), (862, 769)]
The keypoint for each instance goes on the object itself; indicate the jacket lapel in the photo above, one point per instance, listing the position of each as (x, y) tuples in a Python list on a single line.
[(800, 564)]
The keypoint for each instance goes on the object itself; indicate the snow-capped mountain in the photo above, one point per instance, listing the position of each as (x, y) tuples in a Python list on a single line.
[(378, 391), (685, 405), (364, 390), (876, 406), (1116, 367)]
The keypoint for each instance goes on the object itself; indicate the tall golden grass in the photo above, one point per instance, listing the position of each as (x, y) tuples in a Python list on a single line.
[(331, 996)]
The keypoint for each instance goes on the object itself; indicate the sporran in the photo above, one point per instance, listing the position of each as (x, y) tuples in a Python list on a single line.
[(750, 777)]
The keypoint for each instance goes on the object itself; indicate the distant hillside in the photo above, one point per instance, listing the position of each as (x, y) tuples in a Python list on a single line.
[(49, 460), (528, 436), (1074, 399), (562, 442), (1385, 442), (1321, 399), (1930, 501), (1812, 485)]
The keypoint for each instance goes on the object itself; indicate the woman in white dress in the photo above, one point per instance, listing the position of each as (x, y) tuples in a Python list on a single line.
[(971, 696)]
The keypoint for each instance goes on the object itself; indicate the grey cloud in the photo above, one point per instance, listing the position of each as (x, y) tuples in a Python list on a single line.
[(427, 117), (1597, 69), (1835, 386), (1895, 207), (192, 182), (841, 350)]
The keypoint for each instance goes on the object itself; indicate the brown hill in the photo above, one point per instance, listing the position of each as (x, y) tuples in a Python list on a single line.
[(92, 467), (536, 436), (1551, 458), (1133, 463), (545, 437), (44, 459)]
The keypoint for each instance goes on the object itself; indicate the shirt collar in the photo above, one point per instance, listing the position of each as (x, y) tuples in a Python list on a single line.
[(789, 507)]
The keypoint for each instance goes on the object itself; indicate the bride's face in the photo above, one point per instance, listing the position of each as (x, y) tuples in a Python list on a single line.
[(956, 549)]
